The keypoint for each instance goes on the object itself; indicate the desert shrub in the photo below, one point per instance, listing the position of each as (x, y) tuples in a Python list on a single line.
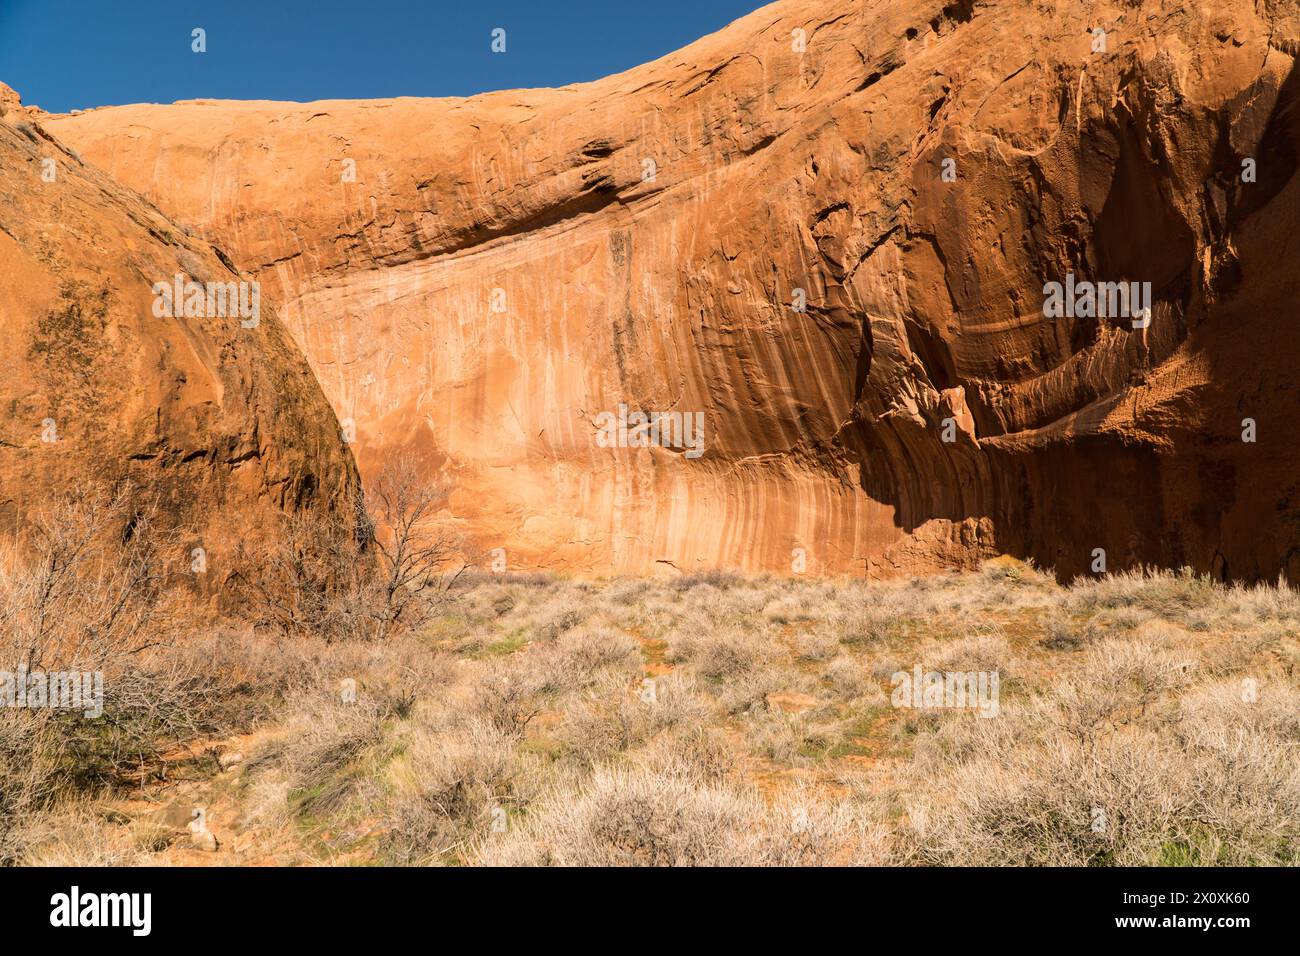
[(475, 577), (511, 693), (525, 706), (867, 624), (81, 836), (485, 599), (986, 652), (454, 785), (1111, 767), (327, 747), (557, 616), (1169, 594), (816, 647), (582, 652), (705, 753), (717, 655), (1051, 802), (1154, 665), (1242, 741), (318, 578), (714, 578), (804, 828), (789, 739), (628, 817), (847, 676), (364, 575), (678, 702), (624, 592), (1035, 796), (1262, 603), (1000, 570), (30, 751), (596, 730), (1127, 618), (748, 692), (616, 717), (713, 607), (638, 816), (1063, 633), (794, 608), (83, 592)]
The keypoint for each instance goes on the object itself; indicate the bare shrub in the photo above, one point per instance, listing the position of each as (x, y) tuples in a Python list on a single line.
[(597, 729), (637, 816), (84, 585), (986, 652), (794, 608), (539, 739), (510, 694), (557, 616), (625, 591), (626, 817), (81, 836), (1051, 802), (453, 786), (718, 655), (1024, 793), (703, 752), (361, 576), (583, 652), (816, 647), (714, 578), (1247, 778), (1263, 603), (678, 702), (1169, 594), (748, 691), (847, 676), (807, 829), (784, 738), (317, 578), (867, 624), (83, 593), (615, 717), (1120, 680), (1110, 768), (1062, 633), (325, 747)]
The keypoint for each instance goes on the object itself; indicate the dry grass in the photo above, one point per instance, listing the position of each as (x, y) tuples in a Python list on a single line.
[(720, 720)]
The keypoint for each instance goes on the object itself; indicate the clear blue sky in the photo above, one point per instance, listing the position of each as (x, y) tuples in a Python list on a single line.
[(69, 54)]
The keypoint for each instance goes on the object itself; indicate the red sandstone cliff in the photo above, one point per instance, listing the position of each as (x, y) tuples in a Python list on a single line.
[(502, 269), (217, 419)]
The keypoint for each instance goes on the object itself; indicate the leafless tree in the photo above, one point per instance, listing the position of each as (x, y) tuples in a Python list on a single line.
[(420, 556), (388, 573)]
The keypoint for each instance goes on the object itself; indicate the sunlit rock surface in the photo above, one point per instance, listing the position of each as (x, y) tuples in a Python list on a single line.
[(480, 279), (215, 421)]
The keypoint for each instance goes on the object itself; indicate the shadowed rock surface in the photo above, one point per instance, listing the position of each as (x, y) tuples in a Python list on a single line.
[(223, 426), (776, 170)]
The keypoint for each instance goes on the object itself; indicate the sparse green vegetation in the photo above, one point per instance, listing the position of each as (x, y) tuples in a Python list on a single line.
[(1143, 719)]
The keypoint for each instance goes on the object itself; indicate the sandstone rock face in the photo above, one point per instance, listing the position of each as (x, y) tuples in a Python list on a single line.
[(827, 228), (217, 418)]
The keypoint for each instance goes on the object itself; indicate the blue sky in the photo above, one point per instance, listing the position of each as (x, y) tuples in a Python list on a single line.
[(69, 54)]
